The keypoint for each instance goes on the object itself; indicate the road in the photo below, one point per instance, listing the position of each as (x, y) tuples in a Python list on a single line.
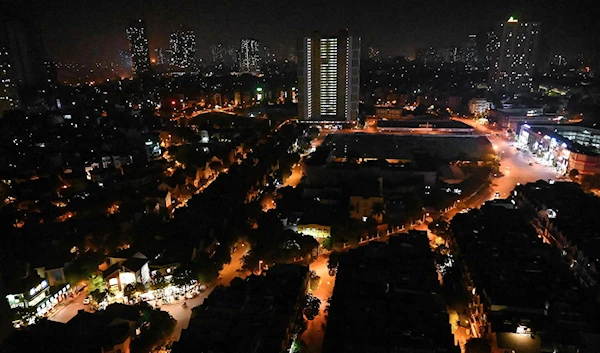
[(70, 309), (313, 336), (229, 272), (294, 179), (514, 166)]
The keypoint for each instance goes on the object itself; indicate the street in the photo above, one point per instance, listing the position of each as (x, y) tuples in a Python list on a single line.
[(70, 309), (313, 336)]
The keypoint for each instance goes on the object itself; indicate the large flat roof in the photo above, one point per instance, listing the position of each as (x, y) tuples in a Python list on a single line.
[(422, 123)]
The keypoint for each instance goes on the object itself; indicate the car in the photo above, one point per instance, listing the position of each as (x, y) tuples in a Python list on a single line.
[(497, 194), (87, 300)]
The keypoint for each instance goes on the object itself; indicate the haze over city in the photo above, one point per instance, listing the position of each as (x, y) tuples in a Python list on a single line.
[(299, 177)]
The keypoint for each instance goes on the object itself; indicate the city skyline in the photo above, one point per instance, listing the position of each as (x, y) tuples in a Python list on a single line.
[(394, 28)]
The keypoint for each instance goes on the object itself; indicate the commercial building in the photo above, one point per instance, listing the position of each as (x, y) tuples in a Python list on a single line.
[(387, 298), (249, 60), (515, 61), (259, 314), (328, 77), (35, 298), (565, 147), (137, 35), (479, 106), (183, 48), (385, 112)]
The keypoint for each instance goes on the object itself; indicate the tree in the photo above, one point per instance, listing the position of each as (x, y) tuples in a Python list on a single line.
[(315, 281), (129, 290), (311, 309), (334, 261), (477, 345), (378, 210), (573, 173), (156, 330), (96, 282)]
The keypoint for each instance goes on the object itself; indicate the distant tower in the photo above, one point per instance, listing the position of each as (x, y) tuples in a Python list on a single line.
[(471, 57), (328, 77), (125, 59), (8, 92), (21, 39), (514, 64), (137, 35), (183, 48), (249, 57)]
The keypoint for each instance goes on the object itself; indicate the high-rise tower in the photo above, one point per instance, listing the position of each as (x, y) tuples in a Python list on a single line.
[(183, 48), (328, 77), (137, 35), (514, 63)]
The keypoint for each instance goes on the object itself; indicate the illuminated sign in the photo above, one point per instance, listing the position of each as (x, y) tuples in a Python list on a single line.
[(43, 285)]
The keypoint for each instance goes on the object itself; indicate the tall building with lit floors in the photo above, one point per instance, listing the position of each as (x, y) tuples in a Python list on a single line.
[(249, 60), (514, 63), (328, 77), (137, 35), (8, 92), (183, 48)]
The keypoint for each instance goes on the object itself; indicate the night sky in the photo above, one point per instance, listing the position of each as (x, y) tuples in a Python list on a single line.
[(94, 30)]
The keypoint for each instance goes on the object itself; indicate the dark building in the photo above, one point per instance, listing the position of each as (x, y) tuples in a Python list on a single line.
[(524, 294), (387, 299), (258, 314), (26, 53)]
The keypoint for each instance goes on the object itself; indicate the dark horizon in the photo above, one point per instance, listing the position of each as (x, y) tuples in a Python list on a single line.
[(87, 31)]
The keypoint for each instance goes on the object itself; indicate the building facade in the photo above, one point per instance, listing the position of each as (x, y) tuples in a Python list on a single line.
[(514, 63), (183, 48), (479, 106), (137, 35), (249, 60), (8, 92), (328, 77)]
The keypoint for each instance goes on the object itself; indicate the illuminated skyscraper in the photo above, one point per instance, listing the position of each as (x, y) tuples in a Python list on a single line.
[(514, 64), (8, 92), (137, 35), (249, 57), (183, 48), (328, 77), (471, 57)]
